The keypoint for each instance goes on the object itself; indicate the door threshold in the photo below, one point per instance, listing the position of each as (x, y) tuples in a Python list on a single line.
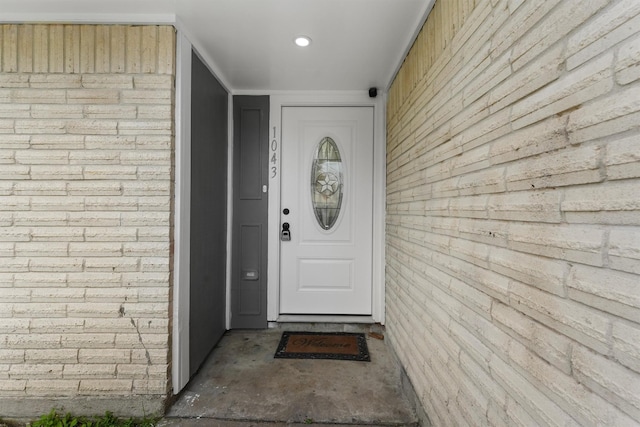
[(319, 318)]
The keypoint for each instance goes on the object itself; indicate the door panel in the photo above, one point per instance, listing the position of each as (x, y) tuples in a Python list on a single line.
[(250, 208), (326, 266), (319, 274), (249, 298), (209, 104)]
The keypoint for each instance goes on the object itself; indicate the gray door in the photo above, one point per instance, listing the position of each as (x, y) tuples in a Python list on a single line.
[(250, 205), (209, 105)]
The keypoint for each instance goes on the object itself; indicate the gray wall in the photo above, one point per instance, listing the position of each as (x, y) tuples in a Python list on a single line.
[(209, 141)]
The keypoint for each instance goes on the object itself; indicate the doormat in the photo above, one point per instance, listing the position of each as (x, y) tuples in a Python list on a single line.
[(323, 345)]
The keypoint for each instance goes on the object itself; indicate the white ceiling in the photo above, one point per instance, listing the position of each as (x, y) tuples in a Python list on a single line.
[(356, 44)]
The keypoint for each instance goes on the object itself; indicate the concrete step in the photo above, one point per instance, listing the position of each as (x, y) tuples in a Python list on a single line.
[(210, 422), (241, 384)]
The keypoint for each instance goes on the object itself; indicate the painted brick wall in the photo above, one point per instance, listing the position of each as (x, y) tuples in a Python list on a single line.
[(513, 200), (86, 148)]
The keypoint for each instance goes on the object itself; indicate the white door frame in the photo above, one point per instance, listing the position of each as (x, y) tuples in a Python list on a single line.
[(328, 99), (182, 224)]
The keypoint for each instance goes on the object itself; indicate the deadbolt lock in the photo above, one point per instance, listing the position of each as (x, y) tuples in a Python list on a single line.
[(285, 234)]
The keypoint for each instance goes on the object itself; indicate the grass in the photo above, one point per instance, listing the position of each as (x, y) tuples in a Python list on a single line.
[(53, 419)]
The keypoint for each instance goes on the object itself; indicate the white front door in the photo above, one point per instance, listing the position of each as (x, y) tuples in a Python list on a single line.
[(327, 202)]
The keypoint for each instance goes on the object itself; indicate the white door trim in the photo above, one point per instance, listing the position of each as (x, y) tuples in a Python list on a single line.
[(317, 99), (182, 227)]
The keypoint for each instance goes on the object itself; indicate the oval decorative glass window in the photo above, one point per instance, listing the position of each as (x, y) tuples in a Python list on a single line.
[(326, 183)]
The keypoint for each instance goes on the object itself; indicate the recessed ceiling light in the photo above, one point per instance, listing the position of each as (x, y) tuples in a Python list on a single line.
[(302, 41)]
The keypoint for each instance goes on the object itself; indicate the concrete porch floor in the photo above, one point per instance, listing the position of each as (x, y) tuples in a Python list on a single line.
[(241, 385)]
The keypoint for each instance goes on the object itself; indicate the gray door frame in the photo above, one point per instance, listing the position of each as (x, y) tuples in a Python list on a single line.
[(249, 235)]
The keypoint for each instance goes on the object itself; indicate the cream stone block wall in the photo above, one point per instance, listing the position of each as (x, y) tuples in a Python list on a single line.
[(513, 203), (86, 151)]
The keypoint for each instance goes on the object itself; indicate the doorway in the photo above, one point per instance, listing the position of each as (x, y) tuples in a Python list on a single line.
[(326, 211)]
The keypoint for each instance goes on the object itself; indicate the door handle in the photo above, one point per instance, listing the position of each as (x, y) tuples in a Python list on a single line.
[(285, 234)]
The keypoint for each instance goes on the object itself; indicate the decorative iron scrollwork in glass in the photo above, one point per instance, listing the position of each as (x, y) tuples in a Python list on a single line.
[(326, 183)]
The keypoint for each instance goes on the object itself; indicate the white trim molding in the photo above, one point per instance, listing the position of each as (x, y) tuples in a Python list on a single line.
[(197, 46), (91, 18), (182, 223), (230, 196)]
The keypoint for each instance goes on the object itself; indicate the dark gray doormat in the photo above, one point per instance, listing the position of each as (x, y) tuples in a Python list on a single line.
[(323, 345)]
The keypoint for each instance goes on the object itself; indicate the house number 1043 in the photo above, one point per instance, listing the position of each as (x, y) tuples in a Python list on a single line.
[(274, 155)]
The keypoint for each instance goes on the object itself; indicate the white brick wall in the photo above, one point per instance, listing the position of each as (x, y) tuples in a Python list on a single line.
[(513, 203), (86, 140)]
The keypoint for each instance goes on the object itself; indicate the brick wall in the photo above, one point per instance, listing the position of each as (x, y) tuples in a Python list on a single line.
[(513, 199), (86, 147)]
